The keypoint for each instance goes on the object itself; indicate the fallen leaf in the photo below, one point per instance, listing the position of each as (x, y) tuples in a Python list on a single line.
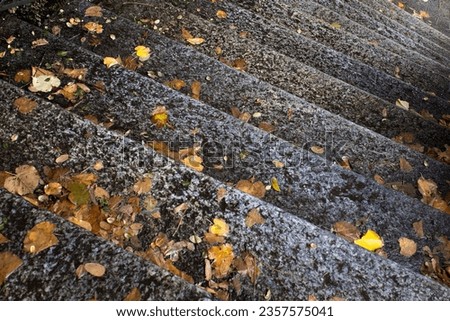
[(401, 5), (79, 193), (142, 52), (195, 88), (221, 14), (40, 237), (62, 158), (9, 263), (403, 104), (370, 241), (407, 247), (268, 127), (95, 269), (379, 179), (3, 239), (23, 76), (221, 193), (39, 42), (160, 117), (53, 188), (25, 105), (133, 295), (44, 83), (346, 230), (208, 270), (239, 64), (213, 238), (275, 185), (98, 166), (195, 239), (24, 182), (110, 61), (143, 186), (254, 217), (278, 164), (93, 11), (247, 265), (82, 223), (220, 227), (78, 74), (186, 34), (194, 162), (317, 150), (85, 178), (196, 41), (101, 193), (405, 166), (257, 189), (93, 27), (222, 256), (335, 25), (427, 188), (418, 228), (176, 84), (345, 163)]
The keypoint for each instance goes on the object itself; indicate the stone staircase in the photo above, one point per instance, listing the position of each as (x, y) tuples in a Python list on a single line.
[(307, 113)]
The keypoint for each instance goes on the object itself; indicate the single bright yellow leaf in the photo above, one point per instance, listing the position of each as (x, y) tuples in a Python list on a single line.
[(220, 227), (160, 117), (223, 257), (370, 241), (142, 52), (275, 185)]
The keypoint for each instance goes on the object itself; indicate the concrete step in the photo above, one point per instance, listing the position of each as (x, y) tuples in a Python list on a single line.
[(439, 10), (51, 274), (376, 78), (375, 20), (360, 107), (296, 259), (329, 16), (306, 178), (370, 154)]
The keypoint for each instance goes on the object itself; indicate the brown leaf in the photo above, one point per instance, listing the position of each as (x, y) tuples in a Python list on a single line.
[(176, 84), (85, 178), (221, 193), (346, 230), (278, 164), (78, 74), (93, 27), (196, 41), (3, 239), (254, 217), (194, 162), (186, 34), (53, 188), (62, 158), (143, 186), (379, 179), (39, 42), (407, 247), (95, 269), (239, 64), (221, 14), (133, 295), (405, 166), (39, 238), (25, 105), (93, 11), (247, 265), (317, 150), (257, 189), (24, 182), (345, 163), (196, 88), (268, 127), (23, 76), (9, 263), (427, 187), (213, 238), (418, 228)]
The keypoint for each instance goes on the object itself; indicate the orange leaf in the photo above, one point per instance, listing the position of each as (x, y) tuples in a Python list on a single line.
[(195, 88), (133, 295), (256, 189), (407, 247), (222, 256), (9, 262), (40, 237), (220, 227), (25, 105)]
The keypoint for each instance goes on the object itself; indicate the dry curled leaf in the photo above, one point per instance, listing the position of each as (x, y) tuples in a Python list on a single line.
[(257, 189), (25, 105), (220, 227), (407, 247), (254, 217), (23, 76), (196, 88), (403, 104), (176, 84), (9, 263), (274, 184), (93, 11), (24, 182), (40, 237), (213, 238), (95, 269), (53, 188), (143, 186), (346, 230), (370, 241), (110, 61), (93, 27)]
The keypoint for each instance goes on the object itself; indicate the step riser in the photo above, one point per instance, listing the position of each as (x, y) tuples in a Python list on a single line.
[(306, 267)]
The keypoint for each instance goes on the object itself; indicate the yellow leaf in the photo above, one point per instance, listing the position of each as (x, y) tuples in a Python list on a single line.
[(219, 228), (194, 162), (223, 257), (25, 105), (335, 25), (110, 61), (176, 83), (9, 262), (160, 116), (403, 104), (142, 52), (275, 185), (370, 241), (39, 238), (24, 182)]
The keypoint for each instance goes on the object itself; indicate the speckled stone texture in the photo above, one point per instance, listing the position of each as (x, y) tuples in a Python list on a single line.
[(291, 267)]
